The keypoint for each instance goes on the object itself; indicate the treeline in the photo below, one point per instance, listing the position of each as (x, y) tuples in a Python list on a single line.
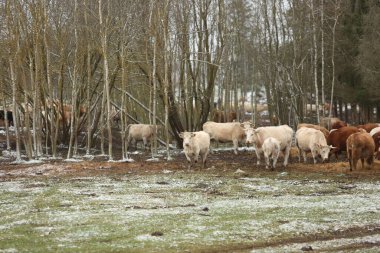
[(67, 66)]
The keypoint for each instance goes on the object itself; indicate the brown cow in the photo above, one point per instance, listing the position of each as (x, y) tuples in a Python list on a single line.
[(221, 117), (331, 123), (376, 139), (369, 126), (317, 127), (361, 146), (338, 137)]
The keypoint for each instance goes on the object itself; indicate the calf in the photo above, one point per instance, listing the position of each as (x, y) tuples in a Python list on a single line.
[(361, 146), (283, 134), (320, 128), (271, 149), (312, 140), (338, 137), (141, 132), (225, 132), (196, 144)]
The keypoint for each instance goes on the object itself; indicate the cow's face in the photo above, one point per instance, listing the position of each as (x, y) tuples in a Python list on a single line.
[(251, 136), (186, 136), (324, 151)]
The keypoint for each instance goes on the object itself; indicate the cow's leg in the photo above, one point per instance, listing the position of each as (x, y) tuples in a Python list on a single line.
[(266, 156), (299, 154), (314, 154), (275, 157), (145, 142), (204, 159), (354, 163), (190, 160), (196, 157), (304, 156), (211, 145), (363, 165), (236, 145), (286, 155), (258, 154)]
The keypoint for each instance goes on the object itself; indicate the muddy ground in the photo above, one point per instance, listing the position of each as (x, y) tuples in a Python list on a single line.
[(232, 205)]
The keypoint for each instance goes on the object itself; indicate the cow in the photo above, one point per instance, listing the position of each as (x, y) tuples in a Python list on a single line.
[(283, 134), (314, 141), (225, 132), (331, 123), (376, 139), (271, 149), (369, 126), (141, 132), (222, 117), (338, 137), (320, 128), (195, 144), (361, 146)]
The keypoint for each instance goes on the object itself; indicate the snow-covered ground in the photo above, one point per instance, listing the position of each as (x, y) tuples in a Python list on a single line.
[(189, 210)]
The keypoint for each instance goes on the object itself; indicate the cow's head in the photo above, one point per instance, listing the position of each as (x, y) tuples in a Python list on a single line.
[(251, 135), (324, 151), (186, 136)]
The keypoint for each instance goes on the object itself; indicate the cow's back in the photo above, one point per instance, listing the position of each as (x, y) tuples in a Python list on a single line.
[(202, 139), (139, 131), (224, 131), (306, 137), (337, 138), (318, 127), (369, 126), (283, 134)]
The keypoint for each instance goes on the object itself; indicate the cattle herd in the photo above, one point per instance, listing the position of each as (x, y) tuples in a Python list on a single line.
[(330, 137)]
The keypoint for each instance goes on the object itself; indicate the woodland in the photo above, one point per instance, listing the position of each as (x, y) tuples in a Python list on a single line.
[(173, 62)]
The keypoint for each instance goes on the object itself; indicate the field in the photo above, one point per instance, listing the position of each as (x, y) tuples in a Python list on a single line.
[(160, 206)]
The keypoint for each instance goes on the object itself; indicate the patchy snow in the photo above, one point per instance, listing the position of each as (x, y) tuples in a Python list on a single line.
[(153, 159), (33, 161), (247, 210), (73, 160)]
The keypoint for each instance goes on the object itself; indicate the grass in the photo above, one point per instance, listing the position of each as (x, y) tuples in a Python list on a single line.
[(182, 211)]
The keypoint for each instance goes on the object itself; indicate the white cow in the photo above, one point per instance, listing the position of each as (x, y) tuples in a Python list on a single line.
[(141, 132), (314, 141), (283, 134), (195, 144), (271, 149), (375, 130), (225, 132)]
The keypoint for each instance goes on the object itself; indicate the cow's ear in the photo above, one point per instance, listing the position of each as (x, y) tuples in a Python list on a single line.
[(181, 135)]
